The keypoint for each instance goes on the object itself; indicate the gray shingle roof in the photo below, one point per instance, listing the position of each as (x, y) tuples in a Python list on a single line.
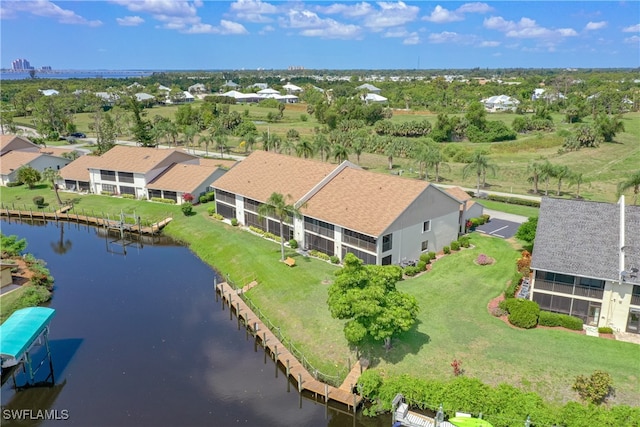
[(582, 238)]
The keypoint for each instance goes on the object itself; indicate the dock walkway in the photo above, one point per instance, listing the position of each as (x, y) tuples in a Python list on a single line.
[(279, 353)]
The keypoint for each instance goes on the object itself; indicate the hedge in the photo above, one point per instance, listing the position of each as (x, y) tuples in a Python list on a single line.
[(522, 312), (514, 200), (547, 318), (161, 200)]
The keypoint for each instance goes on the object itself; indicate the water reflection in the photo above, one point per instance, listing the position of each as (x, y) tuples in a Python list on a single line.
[(138, 340)]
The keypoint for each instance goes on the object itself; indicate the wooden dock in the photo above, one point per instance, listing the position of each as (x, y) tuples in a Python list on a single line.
[(279, 353), (64, 215)]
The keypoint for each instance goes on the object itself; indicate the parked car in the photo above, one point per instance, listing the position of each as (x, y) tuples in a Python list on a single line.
[(78, 135)]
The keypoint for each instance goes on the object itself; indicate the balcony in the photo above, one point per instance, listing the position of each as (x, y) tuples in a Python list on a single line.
[(564, 288), (635, 299)]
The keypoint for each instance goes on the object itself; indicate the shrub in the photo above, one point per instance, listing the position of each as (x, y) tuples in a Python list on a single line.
[(38, 201), (605, 330), (211, 210), (455, 245), (203, 199), (424, 257), (446, 250), (211, 196), (411, 270), (14, 184), (464, 241), (319, 254), (187, 208), (293, 244), (256, 230), (106, 193), (514, 200), (523, 313), (217, 216), (234, 221), (161, 200), (510, 292), (432, 255), (594, 389), (128, 196), (486, 217), (187, 197), (482, 259), (547, 318), (334, 259), (422, 265)]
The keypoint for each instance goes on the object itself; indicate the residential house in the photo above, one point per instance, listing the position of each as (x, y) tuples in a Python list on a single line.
[(545, 95), (373, 98), (232, 84), (75, 176), (16, 152), (197, 88), (180, 179), (585, 262), (48, 92), (369, 88), (469, 208), (382, 219), (128, 170), (292, 89), (500, 103)]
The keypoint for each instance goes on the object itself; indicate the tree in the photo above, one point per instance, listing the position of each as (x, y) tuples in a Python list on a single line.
[(322, 146), (547, 171), (561, 172), (206, 139), (607, 126), (578, 179), (221, 144), (52, 176), (141, 128), (340, 153), (391, 149), (304, 149), (527, 230), (358, 147), (479, 165), (366, 296), (105, 128), (632, 182), (536, 174), (434, 159), (28, 175), (595, 388), (277, 207), (476, 115), (12, 246)]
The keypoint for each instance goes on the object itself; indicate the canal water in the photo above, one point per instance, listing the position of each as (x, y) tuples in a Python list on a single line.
[(139, 340)]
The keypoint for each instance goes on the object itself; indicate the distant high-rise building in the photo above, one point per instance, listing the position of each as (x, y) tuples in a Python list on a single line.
[(46, 68), (21, 64)]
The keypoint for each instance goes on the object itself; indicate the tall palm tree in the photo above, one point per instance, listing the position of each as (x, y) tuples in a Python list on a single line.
[(632, 182), (340, 153), (546, 172), (221, 144), (561, 172), (536, 172), (421, 156), (52, 176), (288, 146), (479, 165), (391, 149), (305, 149), (578, 179), (249, 143), (276, 206), (358, 146), (322, 146), (189, 133), (434, 159)]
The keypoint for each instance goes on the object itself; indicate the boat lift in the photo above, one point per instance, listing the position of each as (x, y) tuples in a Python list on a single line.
[(24, 330)]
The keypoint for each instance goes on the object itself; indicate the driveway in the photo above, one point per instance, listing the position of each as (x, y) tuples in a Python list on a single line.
[(499, 228)]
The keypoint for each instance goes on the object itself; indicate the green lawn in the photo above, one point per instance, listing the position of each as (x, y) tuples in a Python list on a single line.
[(527, 211), (453, 322)]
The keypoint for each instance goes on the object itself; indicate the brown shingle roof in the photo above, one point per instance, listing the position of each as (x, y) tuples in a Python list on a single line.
[(15, 159), (137, 159), (461, 195), (263, 172), (15, 142), (182, 177), (363, 201), (78, 170), (55, 151)]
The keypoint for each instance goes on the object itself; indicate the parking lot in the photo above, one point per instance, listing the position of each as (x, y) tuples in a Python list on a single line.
[(499, 228)]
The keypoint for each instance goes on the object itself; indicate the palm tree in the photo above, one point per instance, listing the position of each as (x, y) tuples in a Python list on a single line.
[(632, 182), (221, 144), (206, 139), (189, 133), (249, 143), (546, 172), (358, 147), (479, 165), (340, 153), (561, 172), (391, 148), (305, 149), (434, 159), (578, 179), (52, 176), (322, 146), (276, 206), (287, 146), (536, 174), (421, 156)]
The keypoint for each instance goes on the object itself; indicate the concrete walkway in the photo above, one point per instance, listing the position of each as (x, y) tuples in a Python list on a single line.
[(497, 193), (505, 216)]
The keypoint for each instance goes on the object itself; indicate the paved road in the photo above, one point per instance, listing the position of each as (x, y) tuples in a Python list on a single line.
[(499, 228)]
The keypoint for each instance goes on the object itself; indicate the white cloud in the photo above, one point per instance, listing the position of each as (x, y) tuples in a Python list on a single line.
[(333, 30), (266, 29), (396, 32), (225, 28), (451, 37), (230, 27), (130, 21), (632, 29), (526, 28), (174, 15), (253, 10), (303, 19), (474, 8), (489, 44), (390, 15), (350, 11), (44, 8), (412, 39), (595, 25), (632, 40), (441, 15)]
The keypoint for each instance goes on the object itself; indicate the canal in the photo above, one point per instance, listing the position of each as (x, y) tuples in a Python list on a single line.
[(139, 340)]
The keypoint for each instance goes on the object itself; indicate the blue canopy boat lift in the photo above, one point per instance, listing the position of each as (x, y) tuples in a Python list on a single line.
[(19, 334)]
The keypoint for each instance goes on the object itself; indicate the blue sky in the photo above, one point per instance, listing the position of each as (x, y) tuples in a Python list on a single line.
[(250, 34)]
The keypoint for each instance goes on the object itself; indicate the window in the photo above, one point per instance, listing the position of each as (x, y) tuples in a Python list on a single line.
[(226, 197), (426, 226), (386, 260), (319, 227), (360, 240), (109, 188), (125, 177), (127, 190), (315, 242), (387, 242), (225, 210), (107, 175), (155, 193), (424, 246)]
